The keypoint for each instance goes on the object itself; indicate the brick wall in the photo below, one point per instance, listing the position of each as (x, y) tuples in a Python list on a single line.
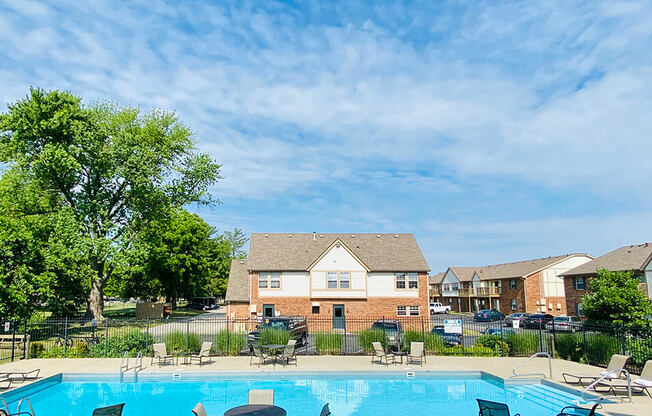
[(532, 292), (507, 295), (573, 296)]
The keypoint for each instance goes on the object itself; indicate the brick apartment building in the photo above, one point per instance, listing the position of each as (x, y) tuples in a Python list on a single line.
[(329, 275), (525, 286), (633, 258)]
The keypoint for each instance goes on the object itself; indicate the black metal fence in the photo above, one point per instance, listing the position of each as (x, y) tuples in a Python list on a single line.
[(460, 335)]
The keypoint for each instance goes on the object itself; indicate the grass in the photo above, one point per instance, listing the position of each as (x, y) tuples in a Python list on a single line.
[(327, 343), (179, 341), (230, 342)]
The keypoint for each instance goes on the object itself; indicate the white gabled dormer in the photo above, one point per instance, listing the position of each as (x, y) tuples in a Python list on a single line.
[(338, 273), (450, 284)]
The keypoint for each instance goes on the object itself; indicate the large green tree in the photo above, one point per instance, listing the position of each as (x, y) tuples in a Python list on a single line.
[(112, 168), (615, 297)]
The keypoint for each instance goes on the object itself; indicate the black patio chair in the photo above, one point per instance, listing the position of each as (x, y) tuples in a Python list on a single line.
[(489, 408)]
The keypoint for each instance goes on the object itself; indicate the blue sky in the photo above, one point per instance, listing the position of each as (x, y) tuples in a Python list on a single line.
[(493, 131)]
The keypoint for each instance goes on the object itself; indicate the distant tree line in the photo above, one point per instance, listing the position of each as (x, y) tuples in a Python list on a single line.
[(93, 203)]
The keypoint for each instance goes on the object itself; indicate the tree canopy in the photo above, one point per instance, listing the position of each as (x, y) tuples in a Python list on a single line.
[(102, 172), (615, 297)]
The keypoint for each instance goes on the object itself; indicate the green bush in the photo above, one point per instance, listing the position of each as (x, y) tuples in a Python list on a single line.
[(475, 351), (52, 352), (640, 349), (36, 349), (180, 341), (133, 341), (433, 343), (367, 336), (236, 341), (494, 342), (327, 343), (569, 346), (274, 336), (522, 344), (599, 348)]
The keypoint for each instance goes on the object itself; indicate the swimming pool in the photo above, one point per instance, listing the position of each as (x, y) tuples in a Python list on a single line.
[(361, 394)]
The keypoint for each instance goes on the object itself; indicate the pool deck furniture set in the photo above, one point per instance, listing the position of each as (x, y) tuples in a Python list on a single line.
[(415, 355), (275, 353), (613, 379), (160, 353), (261, 403)]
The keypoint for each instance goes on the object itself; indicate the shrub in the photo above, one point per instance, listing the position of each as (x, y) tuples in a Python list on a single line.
[(522, 344), (236, 341), (327, 343), (640, 349), (133, 341), (274, 336), (179, 341), (52, 352), (599, 348), (433, 343), (569, 346), (36, 349), (367, 336), (494, 342), (475, 351)]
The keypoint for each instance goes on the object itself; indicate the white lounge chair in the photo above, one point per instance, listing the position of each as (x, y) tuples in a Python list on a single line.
[(161, 353), (645, 380), (416, 353), (5, 382), (261, 397), (613, 371), (204, 352), (380, 354), (21, 373)]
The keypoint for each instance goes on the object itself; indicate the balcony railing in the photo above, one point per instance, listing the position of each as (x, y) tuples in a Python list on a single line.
[(487, 291)]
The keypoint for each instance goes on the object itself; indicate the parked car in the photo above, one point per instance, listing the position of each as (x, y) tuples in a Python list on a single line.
[(450, 340), (536, 321), (439, 308), (394, 332), (519, 316), (487, 315), (497, 331), (565, 323), (203, 303), (295, 324)]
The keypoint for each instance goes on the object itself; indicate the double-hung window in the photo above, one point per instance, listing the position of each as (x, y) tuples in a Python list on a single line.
[(269, 280), (340, 280), (332, 280), (415, 310), (514, 304), (512, 284), (413, 281), (401, 310), (400, 280), (345, 280), (580, 283)]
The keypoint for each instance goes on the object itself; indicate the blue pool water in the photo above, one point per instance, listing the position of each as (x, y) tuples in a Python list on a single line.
[(299, 394)]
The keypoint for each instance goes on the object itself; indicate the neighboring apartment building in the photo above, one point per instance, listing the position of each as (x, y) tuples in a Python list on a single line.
[(634, 258), (434, 282), (329, 275), (525, 286)]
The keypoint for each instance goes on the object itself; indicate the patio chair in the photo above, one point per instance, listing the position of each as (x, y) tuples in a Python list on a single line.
[(258, 354), (380, 354), (489, 408), (161, 353), (325, 411), (5, 382), (616, 364), (289, 353), (645, 380), (261, 397), (24, 374), (199, 410), (115, 410), (204, 352), (578, 411), (416, 353)]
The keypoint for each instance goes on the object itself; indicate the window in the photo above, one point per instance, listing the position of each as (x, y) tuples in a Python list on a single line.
[(514, 304), (344, 280), (269, 280), (512, 284), (578, 309), (413, 281), (332, 280), (415, 311), (400, 280), (580, 283), (401, 310), (315, 309)]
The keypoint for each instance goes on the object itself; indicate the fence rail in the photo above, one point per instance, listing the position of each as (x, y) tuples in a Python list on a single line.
[(590, 343)]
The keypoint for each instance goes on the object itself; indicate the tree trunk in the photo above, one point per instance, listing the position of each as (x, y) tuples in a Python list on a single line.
[(96, 298)]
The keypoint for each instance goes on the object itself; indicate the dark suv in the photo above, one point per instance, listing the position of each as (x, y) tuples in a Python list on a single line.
[(394, 332), (536, 321), (296, 325)]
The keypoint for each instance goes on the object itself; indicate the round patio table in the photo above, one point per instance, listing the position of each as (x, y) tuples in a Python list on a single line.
[(273, 347), (256, 410)]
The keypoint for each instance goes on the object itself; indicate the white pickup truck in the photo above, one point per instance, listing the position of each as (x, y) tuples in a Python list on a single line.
[(439, 308)]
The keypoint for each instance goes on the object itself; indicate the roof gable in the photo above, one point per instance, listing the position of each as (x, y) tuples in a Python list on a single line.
[(237, 289), (337, 244), (626, 258)]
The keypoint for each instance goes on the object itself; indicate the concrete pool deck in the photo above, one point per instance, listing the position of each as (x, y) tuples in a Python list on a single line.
[(501, 367)]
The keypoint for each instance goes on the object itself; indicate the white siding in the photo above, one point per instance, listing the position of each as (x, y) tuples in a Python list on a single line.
[(552, 283), (450, 279), (338, 259), (383, 285), (648, 279), (293, 284)]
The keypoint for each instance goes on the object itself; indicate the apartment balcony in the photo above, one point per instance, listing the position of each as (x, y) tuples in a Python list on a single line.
[(487, 291)]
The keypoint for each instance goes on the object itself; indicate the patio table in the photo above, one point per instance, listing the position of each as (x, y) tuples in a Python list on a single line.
[(256, 410), (273, 347)]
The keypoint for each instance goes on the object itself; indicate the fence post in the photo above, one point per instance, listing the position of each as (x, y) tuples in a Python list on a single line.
[(187, 335), (147, 338), (384, 343), (65, 338), (540, 337), (502, 343), (106, 338), (13, 338), (345, 343), (622, 337), (228, 337), (25, 342)]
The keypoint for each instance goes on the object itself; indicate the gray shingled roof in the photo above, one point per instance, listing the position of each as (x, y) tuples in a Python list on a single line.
[(436, 279), (634, 257), (238, 288), (464, 274), (296, 252)]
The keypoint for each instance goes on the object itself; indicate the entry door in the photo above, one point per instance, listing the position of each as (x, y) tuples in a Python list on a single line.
[(268, 311), (338, 317)]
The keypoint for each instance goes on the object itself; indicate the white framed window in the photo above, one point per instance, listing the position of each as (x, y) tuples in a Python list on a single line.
[(579, 311), (580, 283), (400, 280), (401, 310), (512, 284), (341, 280), (271, 280), (415, 310), (514, 304), (332, 280), (345, 280), (413, 281)]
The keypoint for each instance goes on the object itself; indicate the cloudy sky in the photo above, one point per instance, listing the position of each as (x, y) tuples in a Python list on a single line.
[(493, 131)]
